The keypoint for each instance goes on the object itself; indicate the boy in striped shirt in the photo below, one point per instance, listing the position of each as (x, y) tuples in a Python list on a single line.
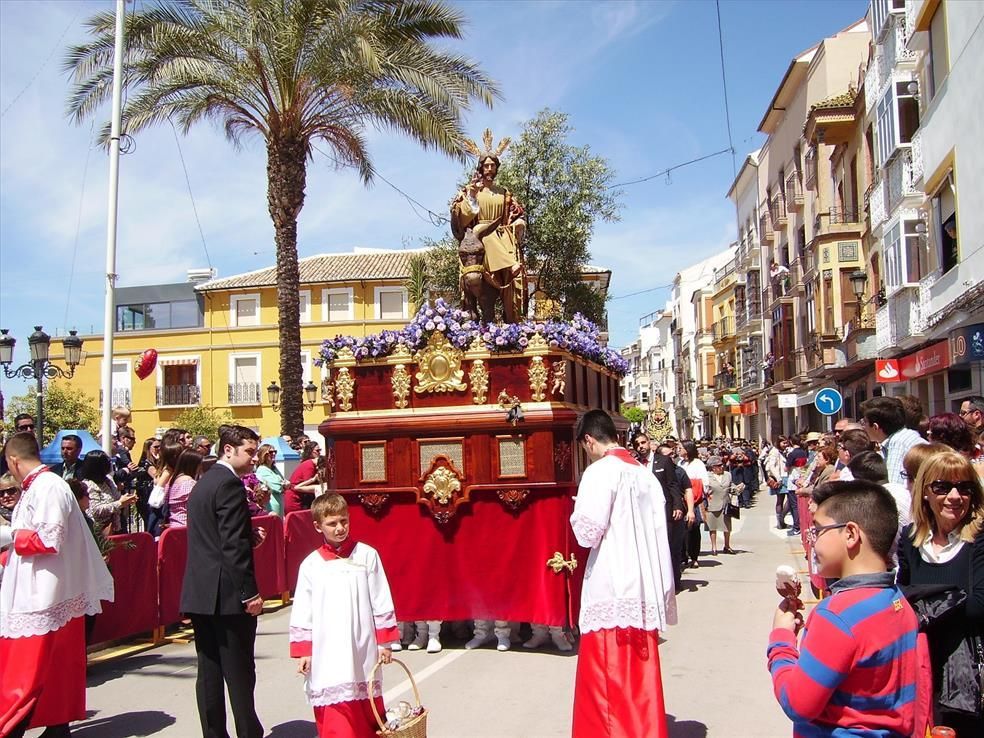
[(856, 671)]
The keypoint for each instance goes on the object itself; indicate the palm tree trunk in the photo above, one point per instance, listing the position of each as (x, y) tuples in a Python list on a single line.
[(286, 178)]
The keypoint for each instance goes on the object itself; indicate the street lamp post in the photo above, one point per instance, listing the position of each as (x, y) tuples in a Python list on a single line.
[(39, 367)]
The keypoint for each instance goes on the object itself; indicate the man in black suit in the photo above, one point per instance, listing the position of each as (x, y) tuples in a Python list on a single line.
[(662, 468), (220, 593)]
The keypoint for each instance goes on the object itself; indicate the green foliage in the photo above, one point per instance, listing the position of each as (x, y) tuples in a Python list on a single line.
[(633, 414), (443, 269), (565, 190), (202, 421), (416, 283), (64, 407)]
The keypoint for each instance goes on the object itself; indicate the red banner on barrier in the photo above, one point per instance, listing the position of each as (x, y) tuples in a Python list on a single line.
[(268, 557), (133, 564), (300, 539), (172, 555)]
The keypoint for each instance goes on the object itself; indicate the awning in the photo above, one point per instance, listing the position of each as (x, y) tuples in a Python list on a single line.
[(178, 362)]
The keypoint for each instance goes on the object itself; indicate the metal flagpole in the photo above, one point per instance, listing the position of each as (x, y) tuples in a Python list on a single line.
[(114, 173)]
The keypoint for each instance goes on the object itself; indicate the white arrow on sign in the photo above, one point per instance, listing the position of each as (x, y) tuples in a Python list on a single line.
[(828, 400)]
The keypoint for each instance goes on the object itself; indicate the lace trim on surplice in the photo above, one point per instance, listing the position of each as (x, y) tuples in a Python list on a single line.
[(623, 613), (587, 531), (25, 624), (343, 693)]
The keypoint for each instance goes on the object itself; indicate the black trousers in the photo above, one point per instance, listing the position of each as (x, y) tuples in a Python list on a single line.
[(225, 659), (693, 541), (677, 532)]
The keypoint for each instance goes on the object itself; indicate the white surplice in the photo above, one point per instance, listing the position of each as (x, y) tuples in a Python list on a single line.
[(619, 514), (340, 607), (42, 593)]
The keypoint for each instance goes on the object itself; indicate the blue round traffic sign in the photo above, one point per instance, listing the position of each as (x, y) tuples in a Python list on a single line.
[(829, 401)]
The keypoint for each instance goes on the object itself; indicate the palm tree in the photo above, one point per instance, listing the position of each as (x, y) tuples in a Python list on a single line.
[(298, 73)]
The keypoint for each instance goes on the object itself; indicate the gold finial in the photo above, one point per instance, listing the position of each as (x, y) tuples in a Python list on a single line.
[(487, 149)]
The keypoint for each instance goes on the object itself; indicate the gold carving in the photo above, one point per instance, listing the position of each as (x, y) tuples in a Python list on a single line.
[(562, 455), (401, 354), (512, 404), (344, 357), (328, 393), (537, 345), (440, 367), (513, 498), (442, 484), (538, 379), (558, 375), (479, 378), (373, 502), (558, 564), (401, 385), (344, 388), (658, 425)]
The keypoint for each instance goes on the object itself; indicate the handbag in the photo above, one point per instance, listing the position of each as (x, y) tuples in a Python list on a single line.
[(157, 497), (731, 510)]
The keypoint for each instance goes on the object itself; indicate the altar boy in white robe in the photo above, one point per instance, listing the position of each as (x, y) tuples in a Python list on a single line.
[(342, 616), (627, 596)]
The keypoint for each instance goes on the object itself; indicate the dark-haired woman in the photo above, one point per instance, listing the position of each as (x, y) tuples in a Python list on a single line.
[(105, 501), (180, 485), (299, 494)]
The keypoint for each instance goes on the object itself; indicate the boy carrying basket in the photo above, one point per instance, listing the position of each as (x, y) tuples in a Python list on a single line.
[(342, 610), (856, 671)]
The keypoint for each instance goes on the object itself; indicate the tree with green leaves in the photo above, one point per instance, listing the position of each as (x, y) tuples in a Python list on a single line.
[(295, 73), (566, 190), (64, 408), (633, 414), (202, 421)]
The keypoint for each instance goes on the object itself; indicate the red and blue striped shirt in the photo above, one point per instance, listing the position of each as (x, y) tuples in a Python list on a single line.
[(856, 671)]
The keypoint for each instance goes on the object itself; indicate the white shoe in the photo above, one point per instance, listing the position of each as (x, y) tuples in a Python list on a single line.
[(561, 642), (538, 639), (434, 645), (479, 640), (418, 643), (503, 643), (396, 646)]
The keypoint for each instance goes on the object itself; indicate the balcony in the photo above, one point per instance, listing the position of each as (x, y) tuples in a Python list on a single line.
[(724, 329), (794, 191), (899, 182), (874, 203), (915, 148), (179, 395), (725, 271), (810, 165), (837, 220), (245, 393), (777, 210), (119, 396), (765, 226), (725, 381)]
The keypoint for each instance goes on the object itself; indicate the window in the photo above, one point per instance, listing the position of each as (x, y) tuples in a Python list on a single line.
[(944, 226), (305, 366), (336, 304), (880, 12), (391, 303), (244, 310), (897, 116), (304, 305), (244, 379), (810, 315), (179, 381), (939, 61), (158, 316), (905, 255)]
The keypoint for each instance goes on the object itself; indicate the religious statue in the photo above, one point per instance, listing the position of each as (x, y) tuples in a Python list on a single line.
[(488, 224), (658, 422)]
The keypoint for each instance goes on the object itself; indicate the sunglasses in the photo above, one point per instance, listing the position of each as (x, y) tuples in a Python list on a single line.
[(942, 487), (8, 491), (25, 427)]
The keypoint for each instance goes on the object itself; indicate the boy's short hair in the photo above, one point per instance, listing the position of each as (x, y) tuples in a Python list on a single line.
[(866, 504), (856, 441), (869, 466), (595, 423), (330, 503), (121, 411), (887, 412)]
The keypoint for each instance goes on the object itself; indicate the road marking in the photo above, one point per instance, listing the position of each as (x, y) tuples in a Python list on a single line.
[(423, 674)]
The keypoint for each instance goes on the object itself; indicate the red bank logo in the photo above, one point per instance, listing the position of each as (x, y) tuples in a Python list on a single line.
[(887, 370)]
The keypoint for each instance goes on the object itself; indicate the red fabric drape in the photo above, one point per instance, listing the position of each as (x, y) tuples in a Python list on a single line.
[(133, 564), (618, 689), (487, 562), (352, 719)]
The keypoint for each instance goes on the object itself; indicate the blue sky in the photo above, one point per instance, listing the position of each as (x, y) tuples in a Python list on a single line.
[(641, 82)]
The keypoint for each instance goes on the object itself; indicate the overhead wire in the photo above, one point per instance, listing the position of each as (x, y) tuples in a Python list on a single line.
[(724, 82), (78, 223)]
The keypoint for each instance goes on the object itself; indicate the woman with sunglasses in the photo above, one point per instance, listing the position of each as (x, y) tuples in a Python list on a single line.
[(944, 545), (145, 476), (269, 475)]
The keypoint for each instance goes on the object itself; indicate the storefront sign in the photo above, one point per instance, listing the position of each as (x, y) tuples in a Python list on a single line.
[(888, 370), (930, 360), (730, 399), (786, 400), (967, 344)]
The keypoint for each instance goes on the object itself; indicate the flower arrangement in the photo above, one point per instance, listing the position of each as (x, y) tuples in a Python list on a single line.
[(579, 337)]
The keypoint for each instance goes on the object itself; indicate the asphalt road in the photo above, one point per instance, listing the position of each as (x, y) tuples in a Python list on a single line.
[(714, 673)]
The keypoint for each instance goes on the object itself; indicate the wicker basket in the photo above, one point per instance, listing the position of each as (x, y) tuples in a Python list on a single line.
[(415, 728)]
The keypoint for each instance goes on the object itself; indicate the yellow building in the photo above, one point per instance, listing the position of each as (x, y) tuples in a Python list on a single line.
[(724, 340), (217, 339)]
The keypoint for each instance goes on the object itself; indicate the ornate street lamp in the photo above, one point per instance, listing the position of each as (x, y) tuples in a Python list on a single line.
[(39, 367), (310, 395), (273, 394)]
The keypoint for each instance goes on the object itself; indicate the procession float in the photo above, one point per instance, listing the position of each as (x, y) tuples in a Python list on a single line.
[(452, 439)]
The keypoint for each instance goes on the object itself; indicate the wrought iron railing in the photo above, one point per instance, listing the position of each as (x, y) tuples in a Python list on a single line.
[(179, 394), (245, 393)]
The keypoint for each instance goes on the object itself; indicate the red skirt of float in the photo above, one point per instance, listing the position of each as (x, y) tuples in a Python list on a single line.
[(44, 677), (618, 690)]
